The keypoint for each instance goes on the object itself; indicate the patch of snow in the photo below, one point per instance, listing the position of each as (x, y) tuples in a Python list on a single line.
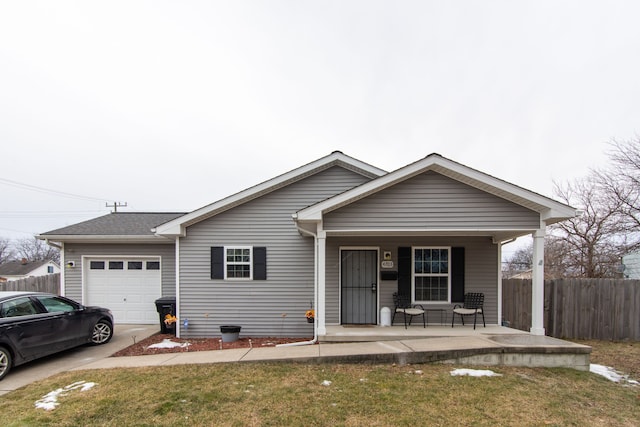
[(167, 343), (611, 374), (49, 401), (474, 373), (605, 371)]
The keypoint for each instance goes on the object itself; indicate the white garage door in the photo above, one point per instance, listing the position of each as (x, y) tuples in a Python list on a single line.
[(128, 287)]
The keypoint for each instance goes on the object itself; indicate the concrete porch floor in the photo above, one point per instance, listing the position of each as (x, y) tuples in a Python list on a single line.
[(490, 346), (356, 333)]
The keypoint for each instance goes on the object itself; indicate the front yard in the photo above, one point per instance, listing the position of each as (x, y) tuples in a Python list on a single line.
[(303, 394)]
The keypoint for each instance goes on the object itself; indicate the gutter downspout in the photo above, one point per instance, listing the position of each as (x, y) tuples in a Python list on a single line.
[(53, 244), (315, 294)]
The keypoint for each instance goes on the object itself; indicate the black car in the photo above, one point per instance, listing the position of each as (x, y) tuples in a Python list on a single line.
[(34, 325)]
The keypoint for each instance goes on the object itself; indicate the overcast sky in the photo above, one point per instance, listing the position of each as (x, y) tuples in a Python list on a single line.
[(169, 106)]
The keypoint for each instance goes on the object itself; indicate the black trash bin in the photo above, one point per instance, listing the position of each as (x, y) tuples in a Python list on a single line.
[(166, 305)]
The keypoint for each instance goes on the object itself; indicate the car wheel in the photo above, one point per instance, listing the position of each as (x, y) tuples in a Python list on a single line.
[(5, 362), (102, 332)]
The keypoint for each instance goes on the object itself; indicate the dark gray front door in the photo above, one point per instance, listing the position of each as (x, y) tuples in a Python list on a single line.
[(359, 283)]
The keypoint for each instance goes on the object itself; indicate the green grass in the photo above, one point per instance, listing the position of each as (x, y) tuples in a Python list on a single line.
[(293, 394)]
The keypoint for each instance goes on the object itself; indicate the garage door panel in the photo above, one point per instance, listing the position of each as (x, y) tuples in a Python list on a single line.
[(129, 293)]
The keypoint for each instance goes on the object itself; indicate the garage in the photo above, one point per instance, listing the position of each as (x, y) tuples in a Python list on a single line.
[(126, 286)]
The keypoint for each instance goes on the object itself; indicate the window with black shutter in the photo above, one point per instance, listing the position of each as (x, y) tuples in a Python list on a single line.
[(239, 262), (431, 274)]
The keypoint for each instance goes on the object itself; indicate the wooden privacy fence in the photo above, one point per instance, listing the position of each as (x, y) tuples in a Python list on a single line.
[(49, 283), (605, 309)]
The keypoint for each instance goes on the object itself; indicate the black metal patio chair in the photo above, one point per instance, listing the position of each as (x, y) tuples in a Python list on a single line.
[(404, 306), (473, 305)]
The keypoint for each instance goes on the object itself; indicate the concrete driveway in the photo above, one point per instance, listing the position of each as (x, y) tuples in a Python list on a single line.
[(37, 370)]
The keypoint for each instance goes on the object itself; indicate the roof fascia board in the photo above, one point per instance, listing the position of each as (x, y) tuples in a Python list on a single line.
[(428, 231), (550, 208), (497, 236), (106, 239), (177, 227), (315, 212)]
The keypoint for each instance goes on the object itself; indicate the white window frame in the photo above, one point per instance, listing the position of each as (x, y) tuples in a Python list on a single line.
[(414, 274), (249, 263)]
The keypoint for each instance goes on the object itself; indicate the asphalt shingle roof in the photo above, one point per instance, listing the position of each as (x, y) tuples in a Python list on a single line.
[(117, 224), (17, 268)]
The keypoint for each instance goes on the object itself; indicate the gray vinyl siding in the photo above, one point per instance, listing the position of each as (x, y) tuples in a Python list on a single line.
[(481, 271), (272, 307), (75, 251), (431, 200)]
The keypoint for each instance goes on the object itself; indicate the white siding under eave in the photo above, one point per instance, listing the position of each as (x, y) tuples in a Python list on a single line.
[(431, 201), (481, 274), (272, 307)]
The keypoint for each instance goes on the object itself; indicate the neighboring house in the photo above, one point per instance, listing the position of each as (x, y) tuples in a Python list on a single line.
[(337, 234), (527, 274), (21, 269), (631, 263)]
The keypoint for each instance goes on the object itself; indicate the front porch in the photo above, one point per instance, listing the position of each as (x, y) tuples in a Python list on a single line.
[(490, 346), (364, 333)]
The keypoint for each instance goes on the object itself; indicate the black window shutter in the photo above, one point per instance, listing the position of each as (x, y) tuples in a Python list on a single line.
[(217, 262), (457, 274), (404, 271), (259, 263)]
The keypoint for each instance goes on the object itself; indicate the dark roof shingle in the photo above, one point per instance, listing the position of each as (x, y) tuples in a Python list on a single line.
[(117, 224), (20, 268)]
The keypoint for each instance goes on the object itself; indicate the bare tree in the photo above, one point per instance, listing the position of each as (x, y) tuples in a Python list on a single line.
[(620, 182), (519, 262), (35, 250), (6, 252), (556, 256), (592, 244)]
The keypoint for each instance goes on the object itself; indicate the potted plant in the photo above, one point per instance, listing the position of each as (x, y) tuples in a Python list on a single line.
[(310, 315)]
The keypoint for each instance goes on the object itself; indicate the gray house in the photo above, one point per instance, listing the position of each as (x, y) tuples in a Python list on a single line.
[(336, 235)]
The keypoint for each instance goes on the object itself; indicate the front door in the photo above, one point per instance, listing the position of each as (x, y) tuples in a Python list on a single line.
[(359, 287)]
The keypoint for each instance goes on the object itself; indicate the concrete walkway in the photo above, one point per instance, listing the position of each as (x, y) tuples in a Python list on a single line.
[(511, 350)]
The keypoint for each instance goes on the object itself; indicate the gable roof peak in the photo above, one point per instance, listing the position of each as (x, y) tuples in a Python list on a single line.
[(551, 210), (177, 227)]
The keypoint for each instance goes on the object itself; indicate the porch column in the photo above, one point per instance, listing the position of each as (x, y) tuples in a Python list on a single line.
[(537, 283), (321, 259)]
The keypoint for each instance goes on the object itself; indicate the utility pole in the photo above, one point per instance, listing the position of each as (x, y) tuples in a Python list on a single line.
[(116, 205)]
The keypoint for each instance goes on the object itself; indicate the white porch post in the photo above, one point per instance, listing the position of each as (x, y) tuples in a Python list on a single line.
[(178, 311), (499, 284), (537, 283), (322, 274)]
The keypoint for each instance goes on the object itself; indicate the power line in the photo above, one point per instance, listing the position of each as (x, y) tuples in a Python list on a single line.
[(47, 214), (50, 191)]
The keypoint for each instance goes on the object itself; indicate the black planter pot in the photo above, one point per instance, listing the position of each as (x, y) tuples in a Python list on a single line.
[(230, 333)]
